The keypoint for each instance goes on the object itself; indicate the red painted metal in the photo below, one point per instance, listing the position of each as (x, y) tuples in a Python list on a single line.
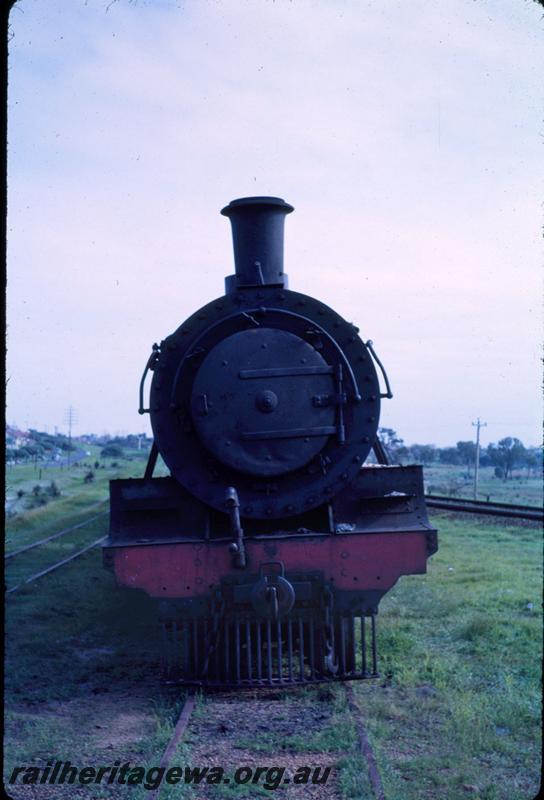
[(187, 569)]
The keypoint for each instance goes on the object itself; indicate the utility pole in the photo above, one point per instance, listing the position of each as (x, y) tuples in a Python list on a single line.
[(477, 425), (70, 419)]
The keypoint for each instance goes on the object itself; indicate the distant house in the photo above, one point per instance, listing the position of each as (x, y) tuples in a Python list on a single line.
[(16, 437)]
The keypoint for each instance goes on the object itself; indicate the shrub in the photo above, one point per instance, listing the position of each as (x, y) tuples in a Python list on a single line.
[(112, 450)]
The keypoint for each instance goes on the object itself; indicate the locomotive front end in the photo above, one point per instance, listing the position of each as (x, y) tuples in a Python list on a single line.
[(271, 543)]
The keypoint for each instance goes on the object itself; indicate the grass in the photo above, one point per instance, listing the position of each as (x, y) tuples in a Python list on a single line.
[(455, 714), (81, 653), (81, 665), (61, 639), (458, 709), (78, 502), (75, 494), (32, 561), (520, 490)]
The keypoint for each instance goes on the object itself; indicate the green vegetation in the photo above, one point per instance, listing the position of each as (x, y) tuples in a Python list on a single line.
[(112, 450), (37, 482), (445, 479), (34, 445), (458, 708), (507, 460), (455, 714)]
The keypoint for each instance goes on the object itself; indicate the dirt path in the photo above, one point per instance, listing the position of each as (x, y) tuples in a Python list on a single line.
[(284, 735)]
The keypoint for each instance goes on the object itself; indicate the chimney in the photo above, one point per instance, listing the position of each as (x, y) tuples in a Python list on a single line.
[(257, 237)]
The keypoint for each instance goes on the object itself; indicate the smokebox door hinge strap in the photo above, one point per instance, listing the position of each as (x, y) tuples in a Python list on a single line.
[(322, 400), (339, 374)]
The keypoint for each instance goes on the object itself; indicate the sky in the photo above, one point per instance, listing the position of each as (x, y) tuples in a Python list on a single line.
[(407, 136)]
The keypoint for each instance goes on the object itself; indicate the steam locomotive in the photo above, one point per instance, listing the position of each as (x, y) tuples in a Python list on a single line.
[(272, 542)]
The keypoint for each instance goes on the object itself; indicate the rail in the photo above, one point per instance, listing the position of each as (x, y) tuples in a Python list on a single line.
[(54, 535), (483, 507), (56, 566), (250, 708)]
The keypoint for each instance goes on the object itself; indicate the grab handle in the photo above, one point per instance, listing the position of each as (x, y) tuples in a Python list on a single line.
[(388, 393), (151, 362)]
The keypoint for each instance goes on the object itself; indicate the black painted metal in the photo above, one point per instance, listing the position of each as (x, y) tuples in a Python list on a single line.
[(363, 645), (257, 237), (151, 461), (301, 655), (373, 640), (290, 658), (380, 499), (269, 650), (380, 451), (290, 648), (185, 425), (248, 650), (259, 651), (262, 424), (237, 649)]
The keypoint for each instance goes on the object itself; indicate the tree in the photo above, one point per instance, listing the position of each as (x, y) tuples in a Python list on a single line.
[(532, 459), (449, 455), (422, 453), (393, 444), (53, 490), (402, 454), (507, 454), (467, 453), (67, 446), (112, 450)]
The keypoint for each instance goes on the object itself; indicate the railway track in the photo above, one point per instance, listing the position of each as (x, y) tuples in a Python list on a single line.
[(53, 536), (55, 566), (46, 540), (213, 749), (179, 730), (482, 507)]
